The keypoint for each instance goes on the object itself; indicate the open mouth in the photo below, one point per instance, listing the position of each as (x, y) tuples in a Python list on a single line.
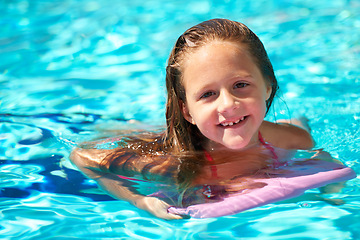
[(226, 124)]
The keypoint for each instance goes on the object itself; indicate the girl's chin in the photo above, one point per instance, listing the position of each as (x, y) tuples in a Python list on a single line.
[(238, 145)]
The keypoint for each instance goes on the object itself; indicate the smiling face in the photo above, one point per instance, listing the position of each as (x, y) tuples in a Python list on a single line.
[(225, 94)]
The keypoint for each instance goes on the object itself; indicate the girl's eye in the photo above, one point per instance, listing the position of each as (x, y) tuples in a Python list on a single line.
[(240, 85), (207, 94)]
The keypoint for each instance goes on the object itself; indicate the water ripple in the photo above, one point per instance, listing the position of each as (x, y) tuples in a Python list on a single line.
[(21, 176)]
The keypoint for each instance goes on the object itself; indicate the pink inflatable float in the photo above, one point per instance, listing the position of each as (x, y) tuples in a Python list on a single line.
[(285, 182)]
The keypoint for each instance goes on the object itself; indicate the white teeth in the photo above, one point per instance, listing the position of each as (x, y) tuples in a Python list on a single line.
[(232, 123)]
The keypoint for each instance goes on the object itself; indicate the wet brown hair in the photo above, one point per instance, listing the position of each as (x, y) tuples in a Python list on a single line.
[(180, 134)]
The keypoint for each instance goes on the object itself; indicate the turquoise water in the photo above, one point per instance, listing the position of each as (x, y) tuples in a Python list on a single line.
[(73, 70)]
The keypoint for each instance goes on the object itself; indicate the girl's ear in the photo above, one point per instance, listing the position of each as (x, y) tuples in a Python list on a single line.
[(268, 91), (186, 113)]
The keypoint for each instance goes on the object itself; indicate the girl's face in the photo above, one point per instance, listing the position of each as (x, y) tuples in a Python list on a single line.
[(225, 94)]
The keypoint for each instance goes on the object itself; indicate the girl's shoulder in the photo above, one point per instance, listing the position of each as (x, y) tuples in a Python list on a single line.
[(286, 135)]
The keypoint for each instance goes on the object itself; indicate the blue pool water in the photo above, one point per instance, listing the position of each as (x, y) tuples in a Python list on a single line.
[(73, 70)]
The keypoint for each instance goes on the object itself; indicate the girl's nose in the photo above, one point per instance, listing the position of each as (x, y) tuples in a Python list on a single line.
[(227, 102)]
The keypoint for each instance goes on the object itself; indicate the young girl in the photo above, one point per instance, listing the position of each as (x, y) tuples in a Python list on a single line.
[(220, 85)]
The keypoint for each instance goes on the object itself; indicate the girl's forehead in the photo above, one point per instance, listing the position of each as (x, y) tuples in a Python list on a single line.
[(219, 60), (215, 51), (206, 50)]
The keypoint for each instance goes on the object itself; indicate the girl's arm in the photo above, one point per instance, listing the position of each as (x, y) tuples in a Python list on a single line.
[(333, 187), (89, 161)]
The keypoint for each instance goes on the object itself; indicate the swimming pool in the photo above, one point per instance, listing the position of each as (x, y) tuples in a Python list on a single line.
[(73, 70)]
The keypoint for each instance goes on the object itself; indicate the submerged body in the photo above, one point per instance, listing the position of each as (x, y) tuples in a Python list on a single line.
[(234, 183)]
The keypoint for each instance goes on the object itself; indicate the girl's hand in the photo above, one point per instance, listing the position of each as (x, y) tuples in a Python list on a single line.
[(156, 207)]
